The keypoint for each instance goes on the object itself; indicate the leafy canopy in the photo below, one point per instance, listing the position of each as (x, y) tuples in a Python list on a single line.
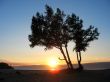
[(50, 29)]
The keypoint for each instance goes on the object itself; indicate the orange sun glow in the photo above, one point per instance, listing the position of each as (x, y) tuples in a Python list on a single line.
[(53, 63)]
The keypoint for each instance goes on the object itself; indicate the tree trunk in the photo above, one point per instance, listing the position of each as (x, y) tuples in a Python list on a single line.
[(77, 56), (69, 60), (80, 57), (65, 57), (79, 60)]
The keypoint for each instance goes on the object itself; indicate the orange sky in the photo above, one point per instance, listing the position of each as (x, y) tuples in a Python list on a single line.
[(15, 26)]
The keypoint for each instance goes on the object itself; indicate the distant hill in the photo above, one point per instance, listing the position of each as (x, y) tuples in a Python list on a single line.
[(12, 63), (87, 66), (5, 66), (97, 65)]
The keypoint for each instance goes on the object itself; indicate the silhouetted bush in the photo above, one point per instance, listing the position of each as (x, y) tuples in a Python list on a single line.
[(5, 66)]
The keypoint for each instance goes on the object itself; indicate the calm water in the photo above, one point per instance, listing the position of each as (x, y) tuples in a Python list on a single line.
[(90, 66)]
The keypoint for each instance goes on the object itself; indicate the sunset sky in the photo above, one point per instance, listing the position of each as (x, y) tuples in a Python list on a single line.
[(15, 22)]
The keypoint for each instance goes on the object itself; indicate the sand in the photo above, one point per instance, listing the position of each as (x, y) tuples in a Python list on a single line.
[(54, 76)]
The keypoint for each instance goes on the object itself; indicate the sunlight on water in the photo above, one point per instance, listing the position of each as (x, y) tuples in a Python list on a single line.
[(54, 71)]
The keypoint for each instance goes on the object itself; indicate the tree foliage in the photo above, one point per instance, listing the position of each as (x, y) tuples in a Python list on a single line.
[(80, 36), (48, 30)]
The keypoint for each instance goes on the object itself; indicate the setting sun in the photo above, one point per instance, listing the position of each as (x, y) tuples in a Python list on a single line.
[(53, 63)]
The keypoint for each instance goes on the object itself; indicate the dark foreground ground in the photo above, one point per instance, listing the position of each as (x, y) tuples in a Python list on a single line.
[(55, 76)]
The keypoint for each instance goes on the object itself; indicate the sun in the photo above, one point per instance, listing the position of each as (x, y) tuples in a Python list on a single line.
[(53, 63)]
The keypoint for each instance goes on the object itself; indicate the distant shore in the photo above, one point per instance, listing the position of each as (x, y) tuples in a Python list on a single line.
[(87, 66)]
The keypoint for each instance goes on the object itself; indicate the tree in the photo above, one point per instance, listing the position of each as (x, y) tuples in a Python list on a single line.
[(82, 38), (55, 29), (50, 30)]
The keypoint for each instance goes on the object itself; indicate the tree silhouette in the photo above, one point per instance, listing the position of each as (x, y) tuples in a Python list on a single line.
[(82, 38), (50, 30), (55, 29)]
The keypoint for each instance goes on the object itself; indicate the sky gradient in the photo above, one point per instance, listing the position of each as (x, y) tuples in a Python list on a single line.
[(15, 22)]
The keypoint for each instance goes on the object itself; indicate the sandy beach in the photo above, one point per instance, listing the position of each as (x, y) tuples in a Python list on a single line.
[(55, 76)]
